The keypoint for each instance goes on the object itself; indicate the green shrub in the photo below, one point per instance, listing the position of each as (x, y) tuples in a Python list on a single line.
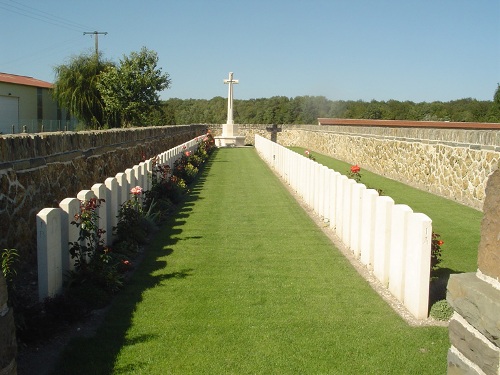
[(441, 310)]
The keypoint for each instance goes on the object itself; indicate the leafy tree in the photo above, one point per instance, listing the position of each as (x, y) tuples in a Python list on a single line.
[(307, 109), (75, 88), (131, 89)]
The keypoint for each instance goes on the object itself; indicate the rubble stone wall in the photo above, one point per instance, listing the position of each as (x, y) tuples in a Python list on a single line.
[(40, 170), (452, 163)]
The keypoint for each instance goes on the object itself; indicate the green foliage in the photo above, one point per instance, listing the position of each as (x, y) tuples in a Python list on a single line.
[(309, 155), (307, 110), (129, 228), (94, 263), (75, 88), (130, 90), (9, 258), (169, 184), (436, 251), (90, 242), (441, 310)]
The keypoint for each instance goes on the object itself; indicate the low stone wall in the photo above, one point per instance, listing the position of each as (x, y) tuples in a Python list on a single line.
[(452, 163), (39, 170)]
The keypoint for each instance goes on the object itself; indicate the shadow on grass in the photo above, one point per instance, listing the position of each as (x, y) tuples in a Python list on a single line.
[(438, 284), (98, 354)]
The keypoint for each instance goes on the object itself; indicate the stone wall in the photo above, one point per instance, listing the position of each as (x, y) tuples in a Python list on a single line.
[(40, 170), (452, 163), (475, 326)]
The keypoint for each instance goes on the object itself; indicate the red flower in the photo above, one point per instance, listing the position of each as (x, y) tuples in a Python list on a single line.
[(355, 169), (440, 243), (187, 153)]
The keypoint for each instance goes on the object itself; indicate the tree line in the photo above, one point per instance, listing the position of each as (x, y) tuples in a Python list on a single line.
[(307, 110), (105, 94)]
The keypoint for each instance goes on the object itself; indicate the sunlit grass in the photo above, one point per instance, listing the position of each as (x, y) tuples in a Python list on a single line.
[(241, 281), (458, 225)]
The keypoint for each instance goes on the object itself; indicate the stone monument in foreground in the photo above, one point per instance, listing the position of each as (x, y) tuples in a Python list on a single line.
[(230, 135)]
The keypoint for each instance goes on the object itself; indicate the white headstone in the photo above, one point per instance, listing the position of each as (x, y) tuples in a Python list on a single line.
[(368, 225), (49, 250), (130, 175), (418, 265), (123, 188), (137, 175), (113, 203), (356, 224), (69, 232), (101, 192), (399, 233), (381, 246)]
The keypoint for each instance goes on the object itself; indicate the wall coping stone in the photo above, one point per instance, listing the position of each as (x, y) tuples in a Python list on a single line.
[(478, 302), (37, 161)]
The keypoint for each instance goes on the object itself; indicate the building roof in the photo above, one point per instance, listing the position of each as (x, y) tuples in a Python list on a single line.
[(24, 80), (407, 123)]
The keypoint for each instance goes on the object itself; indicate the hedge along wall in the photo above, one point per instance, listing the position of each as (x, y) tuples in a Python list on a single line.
[(449, 162), (40, 170)]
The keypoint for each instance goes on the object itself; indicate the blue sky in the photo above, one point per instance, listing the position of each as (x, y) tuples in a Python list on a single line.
[(422, 50)]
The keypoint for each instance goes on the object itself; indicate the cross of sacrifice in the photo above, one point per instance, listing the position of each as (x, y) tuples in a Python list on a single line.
[(230, 82), (274, 130)]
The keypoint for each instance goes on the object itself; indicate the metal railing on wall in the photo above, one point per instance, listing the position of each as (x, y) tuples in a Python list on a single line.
[(40, 126)]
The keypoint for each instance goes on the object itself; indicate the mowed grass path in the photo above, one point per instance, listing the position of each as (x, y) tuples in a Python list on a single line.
[(241, 281)]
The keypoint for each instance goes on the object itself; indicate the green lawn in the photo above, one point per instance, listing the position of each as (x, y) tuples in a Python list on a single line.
[(241, 281), (458, 225)]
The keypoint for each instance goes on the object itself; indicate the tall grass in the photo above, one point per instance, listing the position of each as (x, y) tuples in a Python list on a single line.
[(241, 281)]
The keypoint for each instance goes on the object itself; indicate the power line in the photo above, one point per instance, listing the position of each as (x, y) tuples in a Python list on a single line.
[(59, 46)]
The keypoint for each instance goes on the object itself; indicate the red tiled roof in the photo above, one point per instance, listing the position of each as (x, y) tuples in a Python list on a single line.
[(23, 80), (410, 124)]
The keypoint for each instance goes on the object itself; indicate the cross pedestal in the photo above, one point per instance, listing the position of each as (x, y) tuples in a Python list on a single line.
[(230, 135)]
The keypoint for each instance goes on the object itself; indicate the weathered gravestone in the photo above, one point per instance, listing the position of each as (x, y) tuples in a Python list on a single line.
[(475, 297)]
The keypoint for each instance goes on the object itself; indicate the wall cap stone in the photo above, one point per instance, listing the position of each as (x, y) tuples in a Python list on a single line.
[(476, 301)]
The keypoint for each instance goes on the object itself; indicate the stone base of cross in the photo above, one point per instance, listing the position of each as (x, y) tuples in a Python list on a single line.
[(230, 137)]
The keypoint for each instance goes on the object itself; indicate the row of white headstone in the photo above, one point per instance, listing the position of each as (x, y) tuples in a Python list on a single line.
[(392, 241), (54, 228)]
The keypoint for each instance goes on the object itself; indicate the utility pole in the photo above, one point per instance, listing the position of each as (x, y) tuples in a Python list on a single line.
[(96, 37)]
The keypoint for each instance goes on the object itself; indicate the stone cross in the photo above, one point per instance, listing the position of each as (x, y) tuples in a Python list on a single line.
[(274, 130), (230, 82)]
